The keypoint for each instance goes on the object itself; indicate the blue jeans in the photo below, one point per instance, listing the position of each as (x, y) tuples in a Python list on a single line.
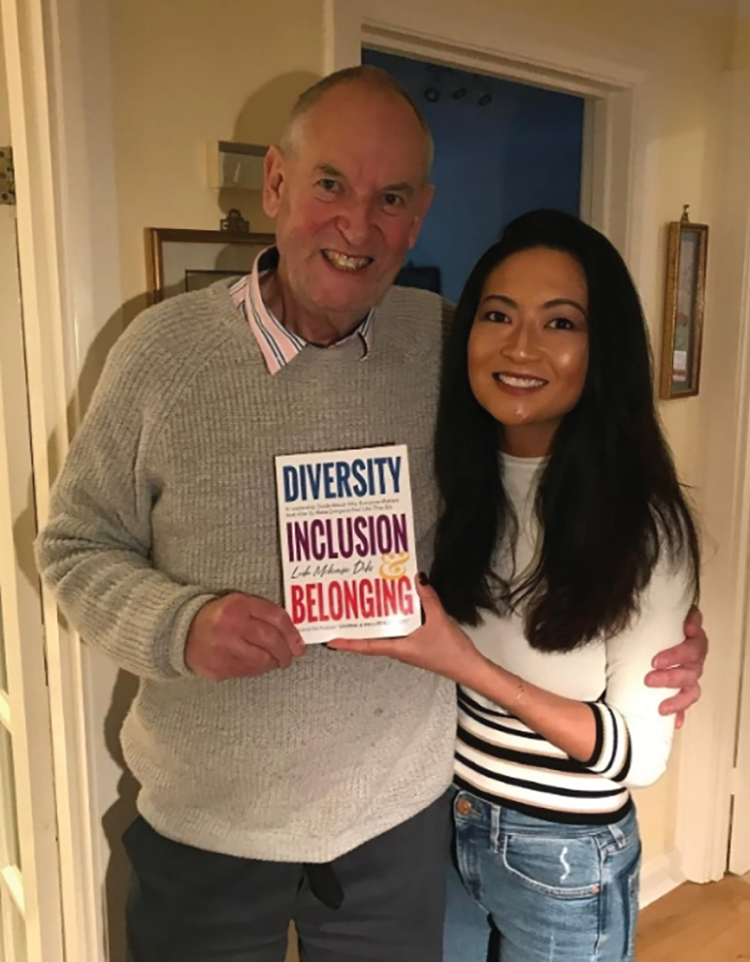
[(527, 890)]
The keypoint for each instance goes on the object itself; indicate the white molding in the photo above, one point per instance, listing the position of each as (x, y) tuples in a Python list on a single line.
[(622, 169), (659, 877), (590, 184), (621, 178), (66, 224), (738, 776), (86, 195), (25, 709), (739, 848), (535, 50), (26, 74), (707, 746), (342, 28)]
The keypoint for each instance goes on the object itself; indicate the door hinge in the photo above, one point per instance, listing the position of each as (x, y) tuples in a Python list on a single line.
[(7, 177)]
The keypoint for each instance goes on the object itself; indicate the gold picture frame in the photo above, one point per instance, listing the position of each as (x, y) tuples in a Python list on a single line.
[(684, 304), (179, 260)]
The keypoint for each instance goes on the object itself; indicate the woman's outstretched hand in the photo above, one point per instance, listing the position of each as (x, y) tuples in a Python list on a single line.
[(439, 645)]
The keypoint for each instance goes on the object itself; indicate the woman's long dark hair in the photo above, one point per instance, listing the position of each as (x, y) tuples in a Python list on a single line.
[(608, 503)]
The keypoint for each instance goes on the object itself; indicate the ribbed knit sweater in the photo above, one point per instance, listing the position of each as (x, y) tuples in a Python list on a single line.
[(167, 500)]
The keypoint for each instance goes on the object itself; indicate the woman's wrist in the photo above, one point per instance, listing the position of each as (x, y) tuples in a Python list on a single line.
[(494, 682)]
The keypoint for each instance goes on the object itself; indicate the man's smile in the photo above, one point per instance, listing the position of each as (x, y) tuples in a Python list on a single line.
[(345, 262)]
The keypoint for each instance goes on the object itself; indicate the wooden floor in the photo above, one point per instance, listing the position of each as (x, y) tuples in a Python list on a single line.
[(698, 923)]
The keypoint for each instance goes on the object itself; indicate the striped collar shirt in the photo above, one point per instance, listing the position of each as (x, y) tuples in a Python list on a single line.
[(279, 345)]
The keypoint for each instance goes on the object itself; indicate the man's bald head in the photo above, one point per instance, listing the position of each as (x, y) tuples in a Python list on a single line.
[(348, 189), (370, 79)]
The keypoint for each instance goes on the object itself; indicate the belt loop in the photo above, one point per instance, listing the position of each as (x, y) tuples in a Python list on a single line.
[(618, 835)]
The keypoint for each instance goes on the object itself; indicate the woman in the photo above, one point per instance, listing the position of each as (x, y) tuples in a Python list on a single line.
[(568, 554)]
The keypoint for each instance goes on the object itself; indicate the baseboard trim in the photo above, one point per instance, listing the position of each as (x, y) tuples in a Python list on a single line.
[(659, 876)]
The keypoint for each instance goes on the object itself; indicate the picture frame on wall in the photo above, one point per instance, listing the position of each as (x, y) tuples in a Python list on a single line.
[(684, 303), (180, 260)]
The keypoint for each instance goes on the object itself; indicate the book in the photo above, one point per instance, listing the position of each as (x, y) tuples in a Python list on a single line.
[(347, 543)]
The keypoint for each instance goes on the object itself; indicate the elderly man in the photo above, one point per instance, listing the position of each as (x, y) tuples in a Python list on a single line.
[(316, 793)]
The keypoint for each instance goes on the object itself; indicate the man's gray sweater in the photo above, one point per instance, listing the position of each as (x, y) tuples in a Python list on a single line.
[(167, 501)]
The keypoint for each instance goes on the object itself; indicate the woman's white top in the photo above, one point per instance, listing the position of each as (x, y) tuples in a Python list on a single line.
[(502, 760)]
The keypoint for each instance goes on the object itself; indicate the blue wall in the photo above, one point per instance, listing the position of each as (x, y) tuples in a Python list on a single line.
[(521, 151)]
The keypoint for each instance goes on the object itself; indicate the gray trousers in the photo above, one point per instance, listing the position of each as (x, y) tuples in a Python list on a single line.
[(189, 905)]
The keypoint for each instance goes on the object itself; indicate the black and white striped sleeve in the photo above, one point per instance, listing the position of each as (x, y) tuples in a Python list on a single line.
[(633, 740)]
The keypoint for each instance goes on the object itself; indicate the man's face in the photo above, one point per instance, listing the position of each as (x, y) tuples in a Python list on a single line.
[(348, 200)]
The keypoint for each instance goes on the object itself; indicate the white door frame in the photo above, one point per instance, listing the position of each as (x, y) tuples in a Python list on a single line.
[(614, 90), (61, 120), (736, 213), (28, 823), (739, 847), (621, 186), (30, 915), (706, 776)]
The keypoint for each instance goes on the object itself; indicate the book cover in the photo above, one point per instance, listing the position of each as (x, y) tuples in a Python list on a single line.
[(347, 543)]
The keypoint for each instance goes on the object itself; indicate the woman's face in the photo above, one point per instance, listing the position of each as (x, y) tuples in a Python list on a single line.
[(528, 346)]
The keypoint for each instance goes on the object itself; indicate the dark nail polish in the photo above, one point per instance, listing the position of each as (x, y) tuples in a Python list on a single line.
[(423, 579)]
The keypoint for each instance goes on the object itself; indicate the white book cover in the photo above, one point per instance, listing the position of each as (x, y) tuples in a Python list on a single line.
[(347, 543)]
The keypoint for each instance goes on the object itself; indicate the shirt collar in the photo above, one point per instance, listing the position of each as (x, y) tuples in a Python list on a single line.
[(278, 345)]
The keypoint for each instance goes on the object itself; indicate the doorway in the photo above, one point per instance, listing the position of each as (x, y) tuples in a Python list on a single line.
[(620, 178), (501, 148)]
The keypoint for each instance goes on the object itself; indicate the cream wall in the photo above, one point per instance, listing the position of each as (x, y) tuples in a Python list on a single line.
[(189, 73)]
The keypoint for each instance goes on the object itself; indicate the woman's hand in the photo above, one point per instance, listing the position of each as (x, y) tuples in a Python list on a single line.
[(439, 645)]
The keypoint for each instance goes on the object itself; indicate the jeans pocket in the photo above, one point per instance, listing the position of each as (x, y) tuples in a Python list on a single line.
[(564, 868)]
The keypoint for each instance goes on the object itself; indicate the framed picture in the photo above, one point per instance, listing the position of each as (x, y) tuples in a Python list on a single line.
[(682, 332), (187, 260)]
